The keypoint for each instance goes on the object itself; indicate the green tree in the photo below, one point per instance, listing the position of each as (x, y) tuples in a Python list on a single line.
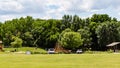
[(99, 18), (46, 32), (107, 33), (7, 30), (17, 27), (71, 40), (92, 27), (76, 23), (28, 39), (86, 36), (66, 21), (114, 19), (17, 42)]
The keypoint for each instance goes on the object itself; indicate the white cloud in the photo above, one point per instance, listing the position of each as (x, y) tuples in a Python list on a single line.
[(6, 17), (56, 8), (10, 6), (87, 5)]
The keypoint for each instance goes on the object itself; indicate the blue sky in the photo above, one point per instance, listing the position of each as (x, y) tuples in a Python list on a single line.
[(47, 9)]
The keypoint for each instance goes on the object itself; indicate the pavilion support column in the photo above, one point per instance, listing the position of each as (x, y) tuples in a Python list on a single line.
[(114, 48)]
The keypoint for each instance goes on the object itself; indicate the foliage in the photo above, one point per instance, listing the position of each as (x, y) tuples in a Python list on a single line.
[(16, 27), (99, 18), (71, 40), (17, 42), (92, 27), (46, 33), (85, 35), (107, 33), (66, 21), (76, 23)]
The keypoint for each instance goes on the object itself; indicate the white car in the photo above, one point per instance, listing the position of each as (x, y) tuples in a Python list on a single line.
[(79, 51), (51, 51)]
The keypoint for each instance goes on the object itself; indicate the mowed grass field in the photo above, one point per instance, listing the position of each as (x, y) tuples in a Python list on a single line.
[(60, 61)]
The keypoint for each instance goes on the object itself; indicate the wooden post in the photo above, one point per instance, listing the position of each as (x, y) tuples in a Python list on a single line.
[(114, 48)]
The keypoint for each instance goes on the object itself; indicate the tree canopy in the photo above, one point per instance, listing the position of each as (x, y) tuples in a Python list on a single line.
[(94, 32), (70, 40)]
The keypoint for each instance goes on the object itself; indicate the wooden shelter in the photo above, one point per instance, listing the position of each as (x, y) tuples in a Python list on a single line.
[(115, 46)]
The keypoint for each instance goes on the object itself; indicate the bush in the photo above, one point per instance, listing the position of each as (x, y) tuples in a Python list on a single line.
[(71, 40)]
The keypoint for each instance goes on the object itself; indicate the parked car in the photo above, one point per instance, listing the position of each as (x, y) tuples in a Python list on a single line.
[(79, 51), (51, 51)]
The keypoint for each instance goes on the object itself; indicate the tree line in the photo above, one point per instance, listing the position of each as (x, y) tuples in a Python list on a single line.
[(71, 32)]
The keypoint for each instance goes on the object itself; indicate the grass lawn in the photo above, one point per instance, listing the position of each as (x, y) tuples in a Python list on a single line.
[(24, 49), (60, 61)]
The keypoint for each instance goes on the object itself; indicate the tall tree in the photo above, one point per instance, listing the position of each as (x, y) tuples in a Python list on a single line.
[(93, 26), (99, 18), (76, 23), (46, 32), (66, 21), (107, 33), (86, 36)]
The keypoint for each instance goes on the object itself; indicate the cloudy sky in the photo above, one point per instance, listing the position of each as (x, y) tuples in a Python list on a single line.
[(46, 9)]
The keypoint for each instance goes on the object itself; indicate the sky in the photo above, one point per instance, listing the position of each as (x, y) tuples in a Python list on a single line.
[(47, 9)]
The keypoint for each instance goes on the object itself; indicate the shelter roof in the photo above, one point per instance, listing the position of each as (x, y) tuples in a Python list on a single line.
[(113, 44)]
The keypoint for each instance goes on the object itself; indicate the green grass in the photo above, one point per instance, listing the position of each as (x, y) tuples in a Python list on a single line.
[(60, 61), (24, 49)]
